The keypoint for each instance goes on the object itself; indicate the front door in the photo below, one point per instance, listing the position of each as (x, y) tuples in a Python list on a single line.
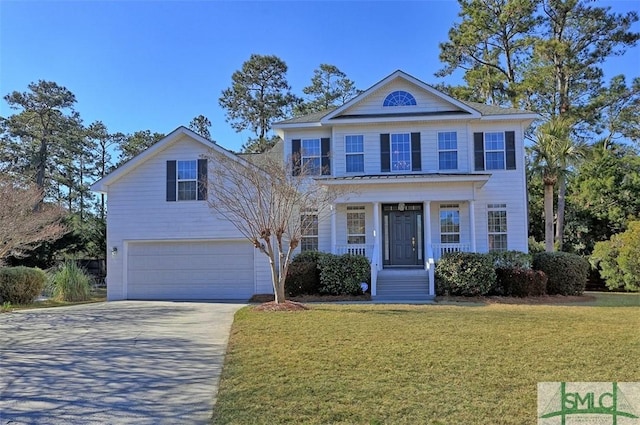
[(403, 233)]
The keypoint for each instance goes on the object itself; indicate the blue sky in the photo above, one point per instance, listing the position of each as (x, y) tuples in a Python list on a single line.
[(155, 65)]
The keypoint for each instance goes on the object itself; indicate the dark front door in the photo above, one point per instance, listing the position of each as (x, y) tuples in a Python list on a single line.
[(403, 238)]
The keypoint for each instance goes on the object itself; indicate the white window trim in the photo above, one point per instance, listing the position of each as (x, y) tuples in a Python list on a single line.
[(498, 208), (503, 151), (179, 180), (304, 157), (391, 161), (309, 236), (449, 207), (447, 150), (357, 209), (347, 154)]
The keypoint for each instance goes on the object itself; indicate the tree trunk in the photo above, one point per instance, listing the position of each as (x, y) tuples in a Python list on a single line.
[(562, 190), (548, 217), (279, 290)]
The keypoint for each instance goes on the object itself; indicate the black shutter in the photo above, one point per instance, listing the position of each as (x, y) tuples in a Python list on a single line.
[(416, 160), (296, 156), (202, 180), (478, 148), (385, 153), (325, 147), (510, 138), (171, 181)]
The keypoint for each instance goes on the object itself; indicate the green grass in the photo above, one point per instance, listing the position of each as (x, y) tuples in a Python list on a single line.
[(432, 364)]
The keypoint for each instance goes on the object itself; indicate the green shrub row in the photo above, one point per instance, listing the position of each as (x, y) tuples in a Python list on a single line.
[(517, 282), (511, 273), (567, 273), (319, 273), (20, 285)]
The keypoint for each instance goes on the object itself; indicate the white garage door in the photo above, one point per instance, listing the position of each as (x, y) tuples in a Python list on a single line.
[(192, 270)]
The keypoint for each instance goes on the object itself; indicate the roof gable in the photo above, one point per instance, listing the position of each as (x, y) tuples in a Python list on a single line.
[(428, 101), (176, 136)]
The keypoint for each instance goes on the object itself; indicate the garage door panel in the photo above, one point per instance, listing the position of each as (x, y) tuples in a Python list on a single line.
[(190, 270)]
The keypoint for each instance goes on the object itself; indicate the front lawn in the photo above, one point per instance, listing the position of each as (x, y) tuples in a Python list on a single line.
[(435, 364)]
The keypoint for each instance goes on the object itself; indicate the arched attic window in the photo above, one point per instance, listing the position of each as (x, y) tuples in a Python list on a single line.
[(399, 98)]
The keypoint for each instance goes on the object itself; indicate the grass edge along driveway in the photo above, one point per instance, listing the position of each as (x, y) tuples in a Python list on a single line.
[(435, 364)]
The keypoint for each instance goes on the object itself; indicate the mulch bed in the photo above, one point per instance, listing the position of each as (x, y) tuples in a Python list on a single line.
[(266, 303), (544, 299), (284, 306)]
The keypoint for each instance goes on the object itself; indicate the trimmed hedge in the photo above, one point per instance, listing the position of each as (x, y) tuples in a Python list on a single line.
[(342, 274), (465, 273), (303, 276), (21, 285), (567, 273), (518, 282)]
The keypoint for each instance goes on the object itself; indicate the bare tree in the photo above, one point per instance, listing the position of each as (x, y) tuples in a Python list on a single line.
[(24, 226), (264, 200)]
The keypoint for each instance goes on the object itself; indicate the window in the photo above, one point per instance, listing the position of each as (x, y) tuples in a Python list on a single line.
[(309, 230), (449, 223), (497, 226), (448, 150), (401, 152), (494, 151), (354, 148), (187, 180), (399, 98), (355, 225), (311, 158)]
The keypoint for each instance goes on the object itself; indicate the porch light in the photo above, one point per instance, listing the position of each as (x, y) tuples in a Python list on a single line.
[(114, 251)]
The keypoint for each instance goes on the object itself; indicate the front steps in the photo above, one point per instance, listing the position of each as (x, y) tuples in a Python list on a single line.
[(403, 286)]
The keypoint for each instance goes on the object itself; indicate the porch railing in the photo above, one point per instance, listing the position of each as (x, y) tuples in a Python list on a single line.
[(440, 249), (355, 249)]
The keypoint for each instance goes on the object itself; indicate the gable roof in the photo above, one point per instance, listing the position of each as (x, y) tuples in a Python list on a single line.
[(173, 137), (459, 108)]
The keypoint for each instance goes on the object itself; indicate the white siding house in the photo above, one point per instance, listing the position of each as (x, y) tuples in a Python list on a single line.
[(425, 174)]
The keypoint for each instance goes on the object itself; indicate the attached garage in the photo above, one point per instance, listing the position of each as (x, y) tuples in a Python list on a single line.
[(190, 270)]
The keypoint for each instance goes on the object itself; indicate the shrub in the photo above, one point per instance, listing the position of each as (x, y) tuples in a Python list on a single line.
[(303, 275), (343, 274), (465, 273), (70, 283), (20, 285), (567, 273), (510, 259), (518, 282), (535, 246), (618, 259)]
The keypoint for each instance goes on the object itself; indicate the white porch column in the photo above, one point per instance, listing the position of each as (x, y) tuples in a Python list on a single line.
[(429, 263), (472, 224), (333, 228), (375, 256)]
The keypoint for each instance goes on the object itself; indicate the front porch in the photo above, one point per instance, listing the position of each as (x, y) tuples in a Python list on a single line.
[(403, 241)]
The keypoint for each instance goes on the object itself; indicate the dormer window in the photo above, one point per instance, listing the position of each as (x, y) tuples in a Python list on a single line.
[(400, 98)]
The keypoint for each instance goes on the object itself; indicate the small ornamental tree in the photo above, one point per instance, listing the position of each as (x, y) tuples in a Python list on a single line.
[(25, 223), (264, 200)]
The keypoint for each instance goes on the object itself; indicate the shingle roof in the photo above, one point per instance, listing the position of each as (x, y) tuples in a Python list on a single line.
[(309, 118), (494, 110), (483, 109)]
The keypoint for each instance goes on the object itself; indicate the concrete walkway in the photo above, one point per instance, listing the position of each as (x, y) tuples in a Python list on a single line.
[(122, 362)]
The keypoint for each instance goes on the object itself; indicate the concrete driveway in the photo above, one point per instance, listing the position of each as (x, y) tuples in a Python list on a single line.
[(125, 362)]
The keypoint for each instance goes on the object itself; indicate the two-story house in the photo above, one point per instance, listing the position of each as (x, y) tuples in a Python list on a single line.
[(432, 175)]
